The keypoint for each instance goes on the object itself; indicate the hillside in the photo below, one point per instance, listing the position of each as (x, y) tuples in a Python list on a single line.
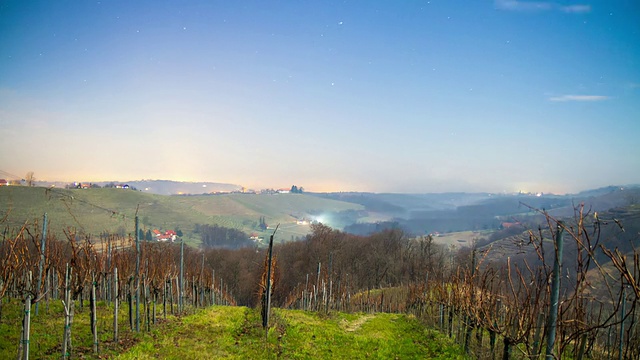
[(455, 212), (160, 187), (112, 210), (236, 333), (619, 229), (231, 333)]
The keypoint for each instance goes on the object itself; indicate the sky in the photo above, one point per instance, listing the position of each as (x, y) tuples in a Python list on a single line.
[(381, 96)]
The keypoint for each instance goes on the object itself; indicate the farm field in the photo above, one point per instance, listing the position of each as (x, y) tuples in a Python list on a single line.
[(94, 211), (459, 239)]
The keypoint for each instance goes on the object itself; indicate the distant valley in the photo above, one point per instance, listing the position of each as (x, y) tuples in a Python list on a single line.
[(99, 210)]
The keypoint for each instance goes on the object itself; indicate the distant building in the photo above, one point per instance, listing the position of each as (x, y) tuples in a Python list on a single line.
[(507, 225), (3, 182), (168, 235)]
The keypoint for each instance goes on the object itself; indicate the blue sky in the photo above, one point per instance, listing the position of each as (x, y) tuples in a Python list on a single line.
[(385, 96)]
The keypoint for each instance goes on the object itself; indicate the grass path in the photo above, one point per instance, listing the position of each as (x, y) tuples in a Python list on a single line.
[(224, 332), (356, 324), (236, 333)]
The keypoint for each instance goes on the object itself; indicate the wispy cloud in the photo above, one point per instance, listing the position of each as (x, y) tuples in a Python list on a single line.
[(563, 98), (576, 9), (515, 5), (539, 6)]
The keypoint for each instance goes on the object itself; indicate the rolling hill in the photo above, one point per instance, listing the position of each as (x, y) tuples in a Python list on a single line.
[(112, 210), (94, 211), (453, 212)]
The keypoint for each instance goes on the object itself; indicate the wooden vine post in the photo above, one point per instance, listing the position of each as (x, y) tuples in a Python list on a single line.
[(42, 249), (181, 283), (555, 292), (621, 339), (26, 324), (137, 284), (115, 305), (469, 322), (94, 320), (68, 308), (265, 323)]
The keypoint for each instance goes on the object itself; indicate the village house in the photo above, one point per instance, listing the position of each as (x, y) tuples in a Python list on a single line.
[(507, 225), (168, 235)]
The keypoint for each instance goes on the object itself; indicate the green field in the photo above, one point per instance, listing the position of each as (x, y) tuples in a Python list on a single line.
[(94, 211), (235, 333), (231, 333)]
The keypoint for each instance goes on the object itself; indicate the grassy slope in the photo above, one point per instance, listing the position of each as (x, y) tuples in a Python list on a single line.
[(89, 210), (230, 332), (235, 332)]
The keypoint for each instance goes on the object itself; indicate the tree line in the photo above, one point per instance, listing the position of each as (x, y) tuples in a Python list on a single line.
[(215, 236)]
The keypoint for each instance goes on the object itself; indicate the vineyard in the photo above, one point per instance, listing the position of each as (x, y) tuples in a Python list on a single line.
[(571, 297), (580, 305)]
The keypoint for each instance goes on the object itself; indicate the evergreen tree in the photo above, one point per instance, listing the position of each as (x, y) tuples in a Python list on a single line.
[(296, 190)]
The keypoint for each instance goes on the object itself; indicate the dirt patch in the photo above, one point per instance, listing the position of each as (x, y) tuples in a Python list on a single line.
[(351, 326)]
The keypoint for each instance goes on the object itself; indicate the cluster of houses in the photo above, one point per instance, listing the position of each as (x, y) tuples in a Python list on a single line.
[(73, 185), (168, 235), (79, 185), (242, 190), (255, 238), (5, 182)]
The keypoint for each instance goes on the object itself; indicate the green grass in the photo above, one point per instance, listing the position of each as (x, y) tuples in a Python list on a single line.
[(47, 328), (235, 333), (97, 210), (230, 333)]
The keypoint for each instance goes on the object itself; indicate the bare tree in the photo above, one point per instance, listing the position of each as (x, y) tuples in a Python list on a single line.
[(30, 179)]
